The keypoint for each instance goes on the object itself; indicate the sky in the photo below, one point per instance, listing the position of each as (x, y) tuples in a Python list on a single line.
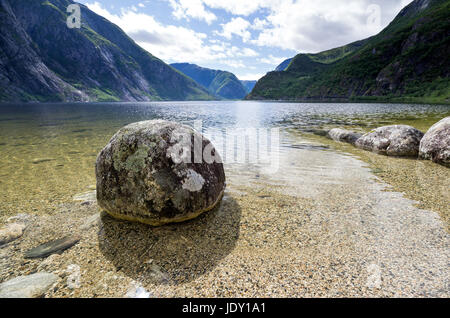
[(246, 37)]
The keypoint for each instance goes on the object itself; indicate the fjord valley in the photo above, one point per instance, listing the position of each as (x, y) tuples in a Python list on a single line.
[(221, 84), (124, 174)]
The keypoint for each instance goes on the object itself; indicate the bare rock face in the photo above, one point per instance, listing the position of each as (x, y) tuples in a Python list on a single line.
[(158, 172), (342, 135), (32, 286), (396, 140), (435, 145)]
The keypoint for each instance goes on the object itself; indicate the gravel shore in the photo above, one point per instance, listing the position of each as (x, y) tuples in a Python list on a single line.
[(334, 229)]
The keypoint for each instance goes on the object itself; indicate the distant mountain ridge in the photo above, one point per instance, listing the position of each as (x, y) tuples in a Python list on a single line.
[(408, 61), (249, 85), (283, 66), (41, 59), (219, 83)]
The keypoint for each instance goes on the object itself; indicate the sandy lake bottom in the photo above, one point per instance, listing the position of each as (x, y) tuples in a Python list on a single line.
[(331, 221)]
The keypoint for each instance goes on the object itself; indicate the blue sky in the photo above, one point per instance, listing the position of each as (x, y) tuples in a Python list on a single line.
[(246, 37)]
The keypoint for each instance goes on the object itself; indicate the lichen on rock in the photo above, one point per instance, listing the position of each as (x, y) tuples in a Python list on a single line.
[(139, 178)]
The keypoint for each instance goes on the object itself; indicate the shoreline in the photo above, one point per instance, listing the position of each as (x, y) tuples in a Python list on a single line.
[(291, 238)]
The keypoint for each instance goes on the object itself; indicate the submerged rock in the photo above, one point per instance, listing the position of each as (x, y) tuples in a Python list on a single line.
[(74, 277), (137, 291), (32, 286), (342, 135), (11, 232), (41, 160), (396, 140), (85, 197), (148, 173), (52, 247), (435, 145)]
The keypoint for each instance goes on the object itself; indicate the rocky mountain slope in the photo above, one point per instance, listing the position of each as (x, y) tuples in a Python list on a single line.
[(41, 59), (249, 85), (407, 61), (219, 83)]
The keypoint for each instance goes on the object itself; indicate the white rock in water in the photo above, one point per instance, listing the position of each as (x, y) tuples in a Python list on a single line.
[(342, 135), (11, 232), (86, 196), (91, 221), (32, 286), (74, 278), (137, 291)]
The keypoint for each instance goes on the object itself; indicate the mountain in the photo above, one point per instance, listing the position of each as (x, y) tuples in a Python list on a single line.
[(248, 85), (283, 66), (406, 62), (219, 83), (41, 59)]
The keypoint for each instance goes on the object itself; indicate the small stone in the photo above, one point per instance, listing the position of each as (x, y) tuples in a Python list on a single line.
[(20, 218), (11, 232), (3, 254), (148, 173), (32, 286), (86, 196), (74, 277), (52, 247), (342, 135), (41, 160), (137, 291), (49, 263), (90, 222), (397, 140), (435, 145)]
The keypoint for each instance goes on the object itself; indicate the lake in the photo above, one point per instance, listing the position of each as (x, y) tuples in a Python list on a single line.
[(347, 212)]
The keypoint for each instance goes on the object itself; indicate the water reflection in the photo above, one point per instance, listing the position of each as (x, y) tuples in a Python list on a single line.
[(48, 150)]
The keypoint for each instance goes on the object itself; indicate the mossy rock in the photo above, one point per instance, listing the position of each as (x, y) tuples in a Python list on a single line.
[(140, 176)]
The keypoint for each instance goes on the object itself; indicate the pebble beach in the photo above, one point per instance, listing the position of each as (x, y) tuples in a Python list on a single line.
[(342, 228)]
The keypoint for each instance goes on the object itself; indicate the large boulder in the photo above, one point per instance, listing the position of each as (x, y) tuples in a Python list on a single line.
[(396, 140), (435, 145), (342, 135), (153, 172)]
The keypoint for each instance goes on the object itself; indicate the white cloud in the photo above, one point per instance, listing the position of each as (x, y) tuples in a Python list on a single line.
[(238, 64), (185, 9), (311, 26), (168, 42), (237, 26), (175, 43), (259, 24), (272, 60), (239, 7), (300, 25)]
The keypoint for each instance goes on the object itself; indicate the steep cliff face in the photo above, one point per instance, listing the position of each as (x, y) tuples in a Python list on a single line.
[(407, 61), (23, 74), (219, 83), (44, 60)]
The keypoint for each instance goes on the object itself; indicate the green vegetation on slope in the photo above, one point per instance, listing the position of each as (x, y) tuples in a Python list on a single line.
[(406, 62)]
